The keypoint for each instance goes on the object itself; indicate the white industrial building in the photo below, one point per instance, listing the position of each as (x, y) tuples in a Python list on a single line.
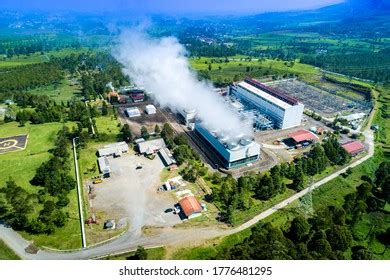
[(104, 166), (285, 111), (133, 112), (188, 116), (150, 146), (150, 109), (115, 149), (231, 152)]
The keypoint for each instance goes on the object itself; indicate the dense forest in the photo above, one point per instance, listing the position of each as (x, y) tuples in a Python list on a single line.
[(376, 64), (37, 44), (29, 76), (327, 234)]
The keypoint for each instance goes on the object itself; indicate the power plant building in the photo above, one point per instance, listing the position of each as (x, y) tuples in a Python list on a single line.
[(188, 116), (231, 153), (285, 111)]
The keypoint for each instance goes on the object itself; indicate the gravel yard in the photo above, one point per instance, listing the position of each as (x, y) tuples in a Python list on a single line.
[(132, 193)]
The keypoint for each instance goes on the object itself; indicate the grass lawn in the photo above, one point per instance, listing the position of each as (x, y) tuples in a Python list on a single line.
[(210, 248), (21, 166), (63, 91), (333, 192), (6, 253), (240, 217), (38, 57)]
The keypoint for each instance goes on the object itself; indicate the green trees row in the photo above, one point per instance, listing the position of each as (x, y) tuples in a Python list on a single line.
[(27, 77), (42, 109)]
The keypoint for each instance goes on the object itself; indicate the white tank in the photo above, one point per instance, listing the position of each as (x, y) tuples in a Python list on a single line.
[(245, 141), (232, 145), (224, 139)]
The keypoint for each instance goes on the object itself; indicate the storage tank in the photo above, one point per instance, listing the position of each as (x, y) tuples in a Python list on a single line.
[(232, 145), (246, 141)]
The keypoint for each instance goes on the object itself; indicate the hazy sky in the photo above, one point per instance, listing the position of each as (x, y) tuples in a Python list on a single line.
[(166, 6)]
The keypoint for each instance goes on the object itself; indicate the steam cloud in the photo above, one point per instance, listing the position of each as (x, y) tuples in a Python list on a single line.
[(161, 67)]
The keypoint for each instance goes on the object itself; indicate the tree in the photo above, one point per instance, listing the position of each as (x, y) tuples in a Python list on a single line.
[(104, 108), (144, 132), (382, 179), (126, 133), (363, 191), (339, 237), (265, 188), (361, 253), (180, 139), (358, 211), (140, 254), (244, 197), (320, 246), (299, 229), (277, 179), (298, 179), (157, 129)]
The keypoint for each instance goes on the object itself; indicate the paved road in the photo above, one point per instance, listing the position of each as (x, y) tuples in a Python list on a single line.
[(168, 236), (79, 199)]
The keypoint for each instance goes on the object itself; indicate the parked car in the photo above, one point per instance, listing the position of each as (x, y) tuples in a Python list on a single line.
[(169, 210)]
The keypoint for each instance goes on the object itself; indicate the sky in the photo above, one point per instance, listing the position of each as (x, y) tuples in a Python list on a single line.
[(166, 6)]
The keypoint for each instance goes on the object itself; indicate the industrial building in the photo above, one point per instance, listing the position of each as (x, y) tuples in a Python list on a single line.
[(151, 146), (150, 109), (166, 156), (353, 147), (231, 153), (188, 116), (135, 93), (133, 112), (301, 138), (104, 166), (283, 110), (115, 149), (190, 207)]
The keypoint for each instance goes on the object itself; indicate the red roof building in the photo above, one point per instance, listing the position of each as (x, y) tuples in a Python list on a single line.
[(353, 147), (303, 135), (190, 206)]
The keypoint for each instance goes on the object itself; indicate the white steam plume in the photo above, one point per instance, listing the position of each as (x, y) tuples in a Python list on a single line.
[(161, 67)]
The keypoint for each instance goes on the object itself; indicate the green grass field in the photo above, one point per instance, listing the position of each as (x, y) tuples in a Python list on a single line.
[(21, 166), (63, 91), (6, 253), (38, 57), (238, 67)]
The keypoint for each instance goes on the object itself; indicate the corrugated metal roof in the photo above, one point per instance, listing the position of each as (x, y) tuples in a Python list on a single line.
[(104, 165), (151, 145), (190, 205), (353, 147), (303, 135)]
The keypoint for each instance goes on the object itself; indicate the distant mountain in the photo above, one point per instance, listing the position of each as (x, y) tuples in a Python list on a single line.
[(377, 5)]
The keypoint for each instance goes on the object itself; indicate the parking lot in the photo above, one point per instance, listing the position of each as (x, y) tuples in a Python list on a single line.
[(132, 193)]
